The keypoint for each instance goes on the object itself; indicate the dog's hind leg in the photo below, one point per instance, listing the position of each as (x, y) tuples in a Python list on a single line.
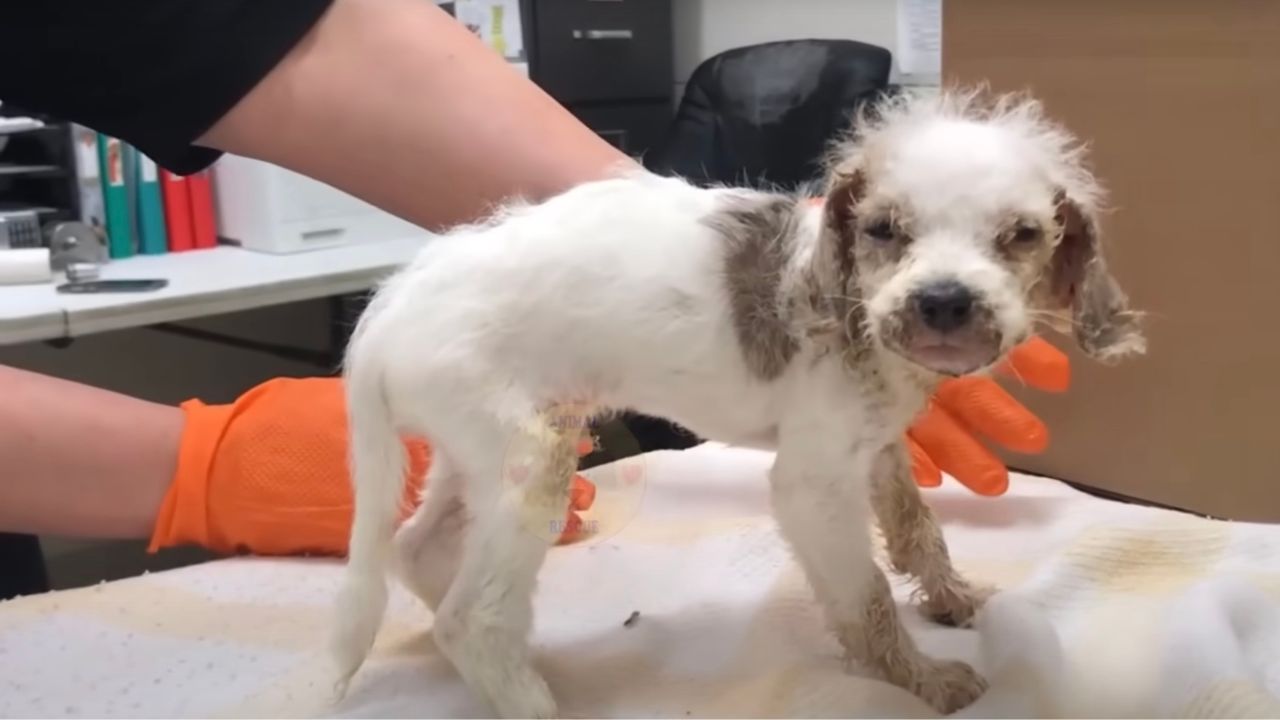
[(915, 543), (428, 547), (517, 493)]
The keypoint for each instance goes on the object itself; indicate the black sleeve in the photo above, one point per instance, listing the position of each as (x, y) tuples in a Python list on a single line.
[(154, 73)]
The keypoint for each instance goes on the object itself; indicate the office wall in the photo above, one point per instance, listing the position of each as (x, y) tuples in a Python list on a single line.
[(706, 27)]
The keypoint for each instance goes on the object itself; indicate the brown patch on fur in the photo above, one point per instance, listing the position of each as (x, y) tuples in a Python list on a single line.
[(837, 288), (758, 232), (1105, 327), (915, 543), (843, 197)]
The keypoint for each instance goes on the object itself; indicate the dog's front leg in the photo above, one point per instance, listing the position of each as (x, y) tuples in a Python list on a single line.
[(915, 543), (823, 512)]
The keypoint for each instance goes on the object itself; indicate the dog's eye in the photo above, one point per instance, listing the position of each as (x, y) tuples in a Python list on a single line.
[(882, 231), (1024, 234)]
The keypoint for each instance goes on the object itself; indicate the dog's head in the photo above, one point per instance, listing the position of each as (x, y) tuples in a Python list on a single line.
[(957, 225)]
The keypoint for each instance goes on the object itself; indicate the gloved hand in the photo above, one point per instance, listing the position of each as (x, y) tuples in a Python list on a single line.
[(267, 474), (945, 437)]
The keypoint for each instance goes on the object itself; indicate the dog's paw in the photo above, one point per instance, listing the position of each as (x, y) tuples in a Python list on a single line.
[(957, 604), (525, 696), (948, 685)]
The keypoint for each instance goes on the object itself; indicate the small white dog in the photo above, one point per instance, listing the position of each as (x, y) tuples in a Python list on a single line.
[(950, 226)]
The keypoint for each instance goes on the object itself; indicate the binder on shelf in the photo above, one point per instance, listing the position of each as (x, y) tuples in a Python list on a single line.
[(152, 238), (204, 229), (177, 212), (129, 155), (115, 197), (84, 142)]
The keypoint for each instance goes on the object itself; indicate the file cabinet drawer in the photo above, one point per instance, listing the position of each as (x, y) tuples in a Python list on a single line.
[(600, 50)]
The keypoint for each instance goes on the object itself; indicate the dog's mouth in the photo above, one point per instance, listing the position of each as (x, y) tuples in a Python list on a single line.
[(951, 354), (949, 357), (945, 331)]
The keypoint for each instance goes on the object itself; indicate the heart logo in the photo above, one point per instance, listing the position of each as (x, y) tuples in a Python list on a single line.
[(517, 474), (620, 486), (631, 474)]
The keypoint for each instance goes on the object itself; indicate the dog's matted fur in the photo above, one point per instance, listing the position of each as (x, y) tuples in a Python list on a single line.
[(951, 225)]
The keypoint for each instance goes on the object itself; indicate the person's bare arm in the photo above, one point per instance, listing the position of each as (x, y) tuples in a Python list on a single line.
[(80, 461), (390, 100), (395, 102)]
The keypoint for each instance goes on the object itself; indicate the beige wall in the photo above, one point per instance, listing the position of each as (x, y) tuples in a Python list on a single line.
[(1180, 101)]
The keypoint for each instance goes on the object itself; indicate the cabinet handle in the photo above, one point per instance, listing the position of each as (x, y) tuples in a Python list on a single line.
[(603, 35)]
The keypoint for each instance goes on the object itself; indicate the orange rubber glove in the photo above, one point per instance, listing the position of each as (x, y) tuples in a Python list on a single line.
[(945, 437), (267, 474)]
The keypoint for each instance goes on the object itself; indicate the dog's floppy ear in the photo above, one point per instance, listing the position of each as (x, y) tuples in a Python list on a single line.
[(1104, 326), (843, 193)]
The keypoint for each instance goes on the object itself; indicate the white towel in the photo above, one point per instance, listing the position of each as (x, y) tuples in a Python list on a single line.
[(1107, 610)]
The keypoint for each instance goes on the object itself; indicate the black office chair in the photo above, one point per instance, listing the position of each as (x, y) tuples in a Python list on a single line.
[(764, 115), (760, 116)]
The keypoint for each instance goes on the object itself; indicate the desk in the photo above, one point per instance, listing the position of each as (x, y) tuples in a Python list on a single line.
[(201, 283)]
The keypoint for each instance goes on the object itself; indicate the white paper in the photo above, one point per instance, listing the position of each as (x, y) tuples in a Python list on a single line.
[(147, 167), (920, 38), (496, 22), (85, 141), (21, 266)]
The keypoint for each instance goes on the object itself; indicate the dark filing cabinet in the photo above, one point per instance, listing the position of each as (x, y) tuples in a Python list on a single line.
[(608, 61)]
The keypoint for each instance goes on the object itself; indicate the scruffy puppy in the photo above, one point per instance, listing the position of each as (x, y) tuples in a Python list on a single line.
[(950, 226)]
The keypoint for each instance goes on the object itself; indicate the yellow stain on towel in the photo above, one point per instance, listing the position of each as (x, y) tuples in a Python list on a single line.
[(681, 532), (1232, 698), (1154, 559)]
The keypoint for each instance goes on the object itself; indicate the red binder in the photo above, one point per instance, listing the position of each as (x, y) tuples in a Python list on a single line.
[(177, 211), (203, 225)]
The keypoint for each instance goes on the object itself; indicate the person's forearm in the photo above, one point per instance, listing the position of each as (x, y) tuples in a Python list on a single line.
[(79, 461), (390, 100), (395, 102)]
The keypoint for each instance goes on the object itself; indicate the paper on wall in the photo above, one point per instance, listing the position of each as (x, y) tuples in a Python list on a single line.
[(919, 50), (496, 22)]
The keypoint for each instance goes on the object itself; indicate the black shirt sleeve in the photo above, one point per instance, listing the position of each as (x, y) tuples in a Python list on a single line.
[(154, 73)]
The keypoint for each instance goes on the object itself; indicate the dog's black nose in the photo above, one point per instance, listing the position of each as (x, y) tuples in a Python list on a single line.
[(944, 306)]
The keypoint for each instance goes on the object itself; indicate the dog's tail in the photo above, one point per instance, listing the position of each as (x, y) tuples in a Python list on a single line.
[(378, 468)]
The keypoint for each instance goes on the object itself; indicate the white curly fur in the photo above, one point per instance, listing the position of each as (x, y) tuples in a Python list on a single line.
[(619, 295)]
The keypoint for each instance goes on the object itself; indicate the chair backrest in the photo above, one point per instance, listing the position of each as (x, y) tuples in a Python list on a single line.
[(764, 115)]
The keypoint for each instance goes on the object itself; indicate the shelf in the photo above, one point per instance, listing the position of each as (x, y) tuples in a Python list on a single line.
[(9, 126), (30, 169), (38, 209)]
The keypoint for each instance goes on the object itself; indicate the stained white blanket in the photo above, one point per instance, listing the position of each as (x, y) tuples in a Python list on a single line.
[(1108, 610)]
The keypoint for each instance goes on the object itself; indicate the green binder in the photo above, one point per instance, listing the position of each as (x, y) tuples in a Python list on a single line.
[(152, 239), (115, 195)]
